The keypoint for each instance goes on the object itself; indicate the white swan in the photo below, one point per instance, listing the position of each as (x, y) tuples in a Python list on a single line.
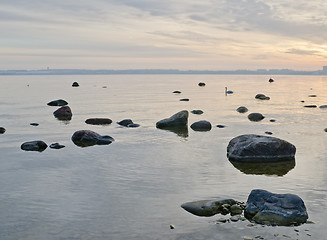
[(228, 91)]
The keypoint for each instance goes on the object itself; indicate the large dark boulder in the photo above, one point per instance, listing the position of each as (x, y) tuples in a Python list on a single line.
[(63, 113), (86, 138), (34, 146), (257, 148), (202, 125), (98, 121), (269, 208), (59, 102), (177, 120)]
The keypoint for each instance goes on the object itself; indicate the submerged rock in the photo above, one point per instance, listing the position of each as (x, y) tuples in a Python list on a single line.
[(257, 148), (98, 121), (179, 119), (63, 113), (34, 146), (255, 117), (56, 146), (208, 208), (202, 125), (86, 138), (59, 102), (269, 208)]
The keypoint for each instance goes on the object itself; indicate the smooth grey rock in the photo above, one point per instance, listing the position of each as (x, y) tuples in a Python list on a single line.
[(242, 109), (2, 130), (275, 209), (56, 146), (98, 121), (207, 208), (202, 125), (86, 138), (63, 113), (255, 117), (257, 148), (59, 102), (34, 146), (179, 119), (262, 97)]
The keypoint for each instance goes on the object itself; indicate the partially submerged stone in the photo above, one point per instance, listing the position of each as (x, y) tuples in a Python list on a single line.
[(63, 113), (242, 109), (198, 112), (255, 117), (261, 97), (56, 146), (208, 208), (2, 130), (268, 208), (179, 119), (98, 121), (34, 146), (202, 125), (59, 102), (128, 123), (257, 148), (86, 138)]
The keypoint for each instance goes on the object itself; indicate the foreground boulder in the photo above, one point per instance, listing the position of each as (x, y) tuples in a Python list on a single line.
[(86, 138), (202, 125), (208, 208), (268, 208), (59, 102), (34, 146), (98, 121), (177, 120), (257, 148), (63, 113)]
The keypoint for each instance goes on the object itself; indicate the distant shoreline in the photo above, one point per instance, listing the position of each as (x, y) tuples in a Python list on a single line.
[(270, 72)]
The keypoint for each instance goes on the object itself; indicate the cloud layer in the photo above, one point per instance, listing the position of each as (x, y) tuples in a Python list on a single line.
[(208, 34)]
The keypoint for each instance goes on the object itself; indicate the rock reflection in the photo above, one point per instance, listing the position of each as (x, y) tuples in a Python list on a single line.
[(268, 168), (180, 131)]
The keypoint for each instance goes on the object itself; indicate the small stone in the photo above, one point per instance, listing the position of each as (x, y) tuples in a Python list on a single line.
[(268, 133), (177, 92), (184, 100), (63, 113), (34, 146), (235, 218), (247, 238), (201, 84), (98, 121), (56, 146), (262, 97), (255, 117), (313, 95), (325, 129), (75, 84), (236, 209), (310, 106), (2, 130), (220, 126), (125, 122), (242, 109), (172, 226), (272, 120), (198, 112), (222, 220), (323, 106), (202, 125), (59, 102), (34, 124)]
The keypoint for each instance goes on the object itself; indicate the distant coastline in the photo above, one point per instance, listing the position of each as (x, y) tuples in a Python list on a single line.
[(159, 71)]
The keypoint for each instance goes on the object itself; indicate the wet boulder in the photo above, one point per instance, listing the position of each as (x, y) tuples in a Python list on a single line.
[(34, 146), (63, 113), (179, 119), (257, 148), (86, 138), (59, 102), (268, 208), (202, 125)]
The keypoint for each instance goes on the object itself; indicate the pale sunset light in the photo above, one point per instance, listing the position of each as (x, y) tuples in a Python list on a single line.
[(205, 35)]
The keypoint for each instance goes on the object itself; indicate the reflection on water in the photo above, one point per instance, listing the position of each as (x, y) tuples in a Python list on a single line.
[(180, 131), (269, 168)]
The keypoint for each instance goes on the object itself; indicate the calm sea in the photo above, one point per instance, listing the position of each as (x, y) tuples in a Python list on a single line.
[(133, 188)]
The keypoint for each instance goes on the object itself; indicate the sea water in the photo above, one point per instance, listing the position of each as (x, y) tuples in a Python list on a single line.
[(133, 188)]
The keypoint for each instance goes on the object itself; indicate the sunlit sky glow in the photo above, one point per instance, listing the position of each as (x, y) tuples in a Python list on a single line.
[(171, 34)]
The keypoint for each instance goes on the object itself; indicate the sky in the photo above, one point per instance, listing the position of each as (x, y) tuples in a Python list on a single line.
[(170, 34)]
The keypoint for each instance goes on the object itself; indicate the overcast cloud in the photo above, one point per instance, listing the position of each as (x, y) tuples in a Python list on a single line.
[(120, 34)]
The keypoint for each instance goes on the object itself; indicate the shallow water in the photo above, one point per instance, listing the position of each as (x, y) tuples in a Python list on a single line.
[(133, 188)]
